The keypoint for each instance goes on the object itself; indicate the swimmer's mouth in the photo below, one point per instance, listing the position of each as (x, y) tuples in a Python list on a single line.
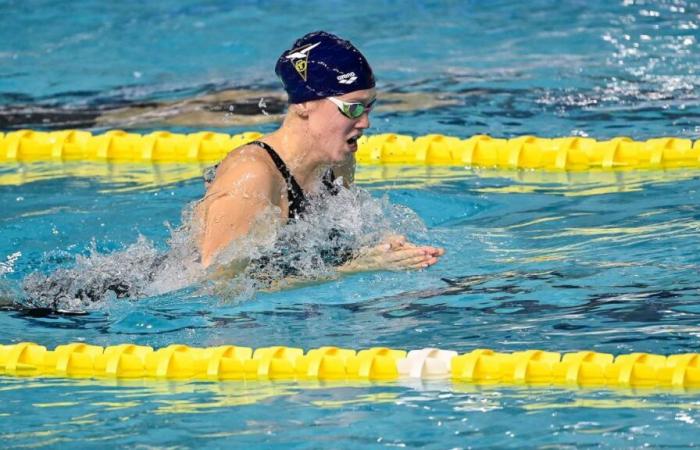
[(353, 140)]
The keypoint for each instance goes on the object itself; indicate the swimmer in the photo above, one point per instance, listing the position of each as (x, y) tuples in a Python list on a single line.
[(331, 91), (264, 184)]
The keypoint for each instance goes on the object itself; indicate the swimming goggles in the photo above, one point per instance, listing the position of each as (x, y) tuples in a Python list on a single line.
[(352, 110)]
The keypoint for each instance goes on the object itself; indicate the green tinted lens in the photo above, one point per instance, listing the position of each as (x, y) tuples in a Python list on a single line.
[(355, 110), (352, 110)]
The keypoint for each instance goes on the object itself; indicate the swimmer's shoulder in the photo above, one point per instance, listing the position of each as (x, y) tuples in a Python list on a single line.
[(246, 164)]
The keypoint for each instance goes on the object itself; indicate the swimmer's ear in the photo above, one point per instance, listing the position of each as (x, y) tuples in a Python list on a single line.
[(301, 109)]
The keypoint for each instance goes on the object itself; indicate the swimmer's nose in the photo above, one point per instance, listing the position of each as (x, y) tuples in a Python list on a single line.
[(363, 122)]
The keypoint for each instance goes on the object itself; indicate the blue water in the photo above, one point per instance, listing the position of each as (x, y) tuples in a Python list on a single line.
[(542, 67), (605, 261)]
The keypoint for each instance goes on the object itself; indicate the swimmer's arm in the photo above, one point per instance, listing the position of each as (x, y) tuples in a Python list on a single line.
[(232, 204)]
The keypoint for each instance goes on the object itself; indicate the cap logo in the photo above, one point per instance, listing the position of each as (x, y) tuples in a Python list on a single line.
[(347, 78), (299, 57)]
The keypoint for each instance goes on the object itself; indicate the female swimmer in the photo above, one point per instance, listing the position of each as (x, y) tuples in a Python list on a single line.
[(331, 91)]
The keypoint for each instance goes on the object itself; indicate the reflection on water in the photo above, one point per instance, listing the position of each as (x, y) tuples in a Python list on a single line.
[(76, 412)]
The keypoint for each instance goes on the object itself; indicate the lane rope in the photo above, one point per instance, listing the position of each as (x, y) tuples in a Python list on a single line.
[(524, 152), (229, 362)]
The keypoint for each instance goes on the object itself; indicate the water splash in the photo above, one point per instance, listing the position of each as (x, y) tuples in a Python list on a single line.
[(137, 271), (9, 265), (272, 256), (311, 248), (93, 279)]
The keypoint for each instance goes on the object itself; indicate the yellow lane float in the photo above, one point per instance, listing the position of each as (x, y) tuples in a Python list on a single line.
[(228, 362), (524, 152)]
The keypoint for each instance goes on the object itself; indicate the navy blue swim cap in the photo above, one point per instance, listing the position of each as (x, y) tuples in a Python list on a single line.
[(321, 65)]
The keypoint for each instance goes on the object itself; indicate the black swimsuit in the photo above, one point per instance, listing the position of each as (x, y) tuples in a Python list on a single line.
[(295, 195), (337, 255)]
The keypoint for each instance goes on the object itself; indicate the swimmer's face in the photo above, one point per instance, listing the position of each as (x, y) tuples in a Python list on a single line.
[(337, 133)]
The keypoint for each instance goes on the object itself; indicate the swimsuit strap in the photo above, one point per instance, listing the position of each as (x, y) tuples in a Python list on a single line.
[(328, 181), (295, 195)]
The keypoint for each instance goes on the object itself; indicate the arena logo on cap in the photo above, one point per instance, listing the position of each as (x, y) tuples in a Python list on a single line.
[(300, 58), (347, 78)]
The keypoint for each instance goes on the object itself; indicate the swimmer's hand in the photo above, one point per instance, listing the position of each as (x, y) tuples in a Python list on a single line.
[(395, 254)]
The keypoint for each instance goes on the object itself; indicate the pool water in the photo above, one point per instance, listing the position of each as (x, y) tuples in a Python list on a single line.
[(604, 261)]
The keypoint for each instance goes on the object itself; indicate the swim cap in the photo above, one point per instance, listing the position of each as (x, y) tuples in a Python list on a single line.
[(321, 65)]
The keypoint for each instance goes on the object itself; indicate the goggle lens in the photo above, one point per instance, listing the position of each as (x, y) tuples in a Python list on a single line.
[(353, 110)]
